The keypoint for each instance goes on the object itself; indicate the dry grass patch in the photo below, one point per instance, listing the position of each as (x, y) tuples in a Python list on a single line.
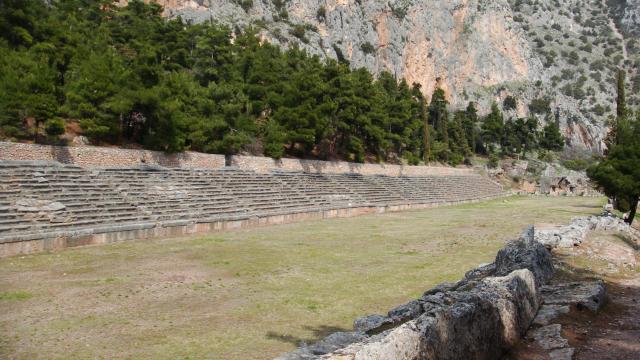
[(249, 294)]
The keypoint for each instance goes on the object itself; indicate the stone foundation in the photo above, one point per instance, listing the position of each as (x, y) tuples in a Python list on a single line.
[(265, 164)]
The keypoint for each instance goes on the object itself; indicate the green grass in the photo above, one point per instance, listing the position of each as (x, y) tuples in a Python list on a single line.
[(15, 295), (254, 293)]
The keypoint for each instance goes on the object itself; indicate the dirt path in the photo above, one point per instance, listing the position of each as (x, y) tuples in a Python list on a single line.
[(614, 332)]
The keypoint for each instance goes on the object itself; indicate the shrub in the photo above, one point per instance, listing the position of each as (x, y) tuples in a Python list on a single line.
[(321, 14), (576, 164), (54, 127), (546, 156), (300, 32), (540, 106), (246, 5), (510, 103), (493, 160), (367, 48)]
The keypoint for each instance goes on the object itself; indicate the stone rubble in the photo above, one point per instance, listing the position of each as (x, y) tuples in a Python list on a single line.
[(576, 232), (590, 295)]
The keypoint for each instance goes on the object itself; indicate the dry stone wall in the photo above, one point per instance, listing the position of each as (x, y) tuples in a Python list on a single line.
[(483, 315)]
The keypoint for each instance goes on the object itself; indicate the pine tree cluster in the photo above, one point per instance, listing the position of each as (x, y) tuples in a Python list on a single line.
[(128, 75)]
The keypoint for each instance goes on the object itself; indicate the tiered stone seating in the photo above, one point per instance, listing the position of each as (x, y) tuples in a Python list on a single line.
[(42, 200)]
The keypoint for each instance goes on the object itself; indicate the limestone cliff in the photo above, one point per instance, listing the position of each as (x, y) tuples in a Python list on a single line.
[(561, 52)]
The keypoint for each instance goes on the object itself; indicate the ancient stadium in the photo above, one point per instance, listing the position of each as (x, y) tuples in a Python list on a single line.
[(202, 256), (319, 180)]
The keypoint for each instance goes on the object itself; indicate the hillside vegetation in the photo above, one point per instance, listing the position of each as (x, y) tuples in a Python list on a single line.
[(128, 75)]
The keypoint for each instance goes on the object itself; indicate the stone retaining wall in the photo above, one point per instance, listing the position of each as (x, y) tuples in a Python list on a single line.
[(265, 164), (94, 156)]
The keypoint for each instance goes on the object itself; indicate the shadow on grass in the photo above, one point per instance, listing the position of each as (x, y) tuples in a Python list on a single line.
[(318, 332), (568, 272), (585, 206)]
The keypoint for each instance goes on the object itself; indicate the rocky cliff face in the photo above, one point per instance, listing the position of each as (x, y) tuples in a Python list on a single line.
[(561, 53)]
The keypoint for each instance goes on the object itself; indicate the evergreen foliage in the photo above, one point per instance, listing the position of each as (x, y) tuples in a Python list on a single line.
[(618, 175), (127, 75), (551, 138)]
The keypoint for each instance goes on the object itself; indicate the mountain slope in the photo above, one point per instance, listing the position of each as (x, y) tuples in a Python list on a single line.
[(558, 59)]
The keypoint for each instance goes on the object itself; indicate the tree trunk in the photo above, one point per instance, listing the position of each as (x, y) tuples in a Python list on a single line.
[(632, 212)]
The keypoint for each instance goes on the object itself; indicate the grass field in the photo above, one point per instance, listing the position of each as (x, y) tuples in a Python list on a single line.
[(249, 294)]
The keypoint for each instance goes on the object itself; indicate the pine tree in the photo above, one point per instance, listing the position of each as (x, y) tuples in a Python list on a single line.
[(458, 141), (551, 138), (469, 124), (439, 117), (493, 127), (618, 175)]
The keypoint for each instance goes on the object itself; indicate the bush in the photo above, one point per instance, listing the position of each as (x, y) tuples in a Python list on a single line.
[(574, 159), (545, 156), (540, 106), (54, 127), (510, 103), (321, 14), (493, 160), (246, 5), (576, 164), (300, 32), (367, 48)]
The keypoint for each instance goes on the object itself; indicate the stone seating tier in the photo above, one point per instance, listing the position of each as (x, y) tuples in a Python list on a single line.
[(43, 199)]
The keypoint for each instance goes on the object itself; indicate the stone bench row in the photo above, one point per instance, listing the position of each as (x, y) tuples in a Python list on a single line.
[(40, 197)]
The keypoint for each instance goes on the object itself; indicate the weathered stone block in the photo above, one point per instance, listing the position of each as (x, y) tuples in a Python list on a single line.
[(526, 253), (590, 295)]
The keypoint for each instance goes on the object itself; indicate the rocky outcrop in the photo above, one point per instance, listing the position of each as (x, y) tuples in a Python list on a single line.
[(483, 51)]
